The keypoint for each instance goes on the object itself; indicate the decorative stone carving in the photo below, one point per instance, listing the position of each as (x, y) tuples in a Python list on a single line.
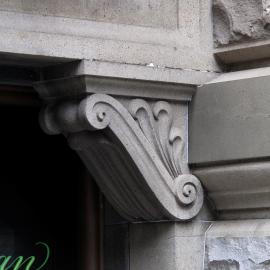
[(240, 21), (135, 152), (157, 126)]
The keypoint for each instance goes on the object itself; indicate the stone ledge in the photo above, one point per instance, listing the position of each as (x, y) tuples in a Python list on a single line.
[(246, 52), (240, 190), (229, 148)]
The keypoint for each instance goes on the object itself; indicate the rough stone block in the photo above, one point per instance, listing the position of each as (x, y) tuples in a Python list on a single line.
[(235, 245), (240, 21)]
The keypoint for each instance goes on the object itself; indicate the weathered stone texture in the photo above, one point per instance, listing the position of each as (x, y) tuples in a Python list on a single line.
[(167, 246), (138, 33), (239, 253), (162, 13), (238, 245), (239, 21)]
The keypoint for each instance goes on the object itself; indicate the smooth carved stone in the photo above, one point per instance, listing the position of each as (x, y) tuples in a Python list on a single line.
[(135, 154), (240, 21)]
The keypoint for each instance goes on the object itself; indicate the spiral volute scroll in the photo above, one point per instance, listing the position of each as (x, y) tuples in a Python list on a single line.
[(95, 113), (189, 192)]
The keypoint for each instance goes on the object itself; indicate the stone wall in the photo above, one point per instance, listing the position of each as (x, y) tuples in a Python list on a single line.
[(166, 34), (158, 50), (159, 14)]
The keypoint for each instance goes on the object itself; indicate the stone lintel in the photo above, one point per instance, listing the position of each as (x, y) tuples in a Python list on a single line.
[(83, 85), (243, 52)]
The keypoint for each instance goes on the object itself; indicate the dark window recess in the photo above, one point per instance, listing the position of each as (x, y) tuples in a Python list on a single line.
[(40, 179)]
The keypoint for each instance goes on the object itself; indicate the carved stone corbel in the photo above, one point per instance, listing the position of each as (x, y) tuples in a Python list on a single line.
[(135, 150)]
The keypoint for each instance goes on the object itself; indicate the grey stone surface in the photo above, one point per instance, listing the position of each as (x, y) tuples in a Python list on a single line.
[(72, 38), (190, 245), (229, 119), (238, 246), (240, 21), (170, 246), (127, 71), (87, 84), (239, 190), (152, 247), (250, 54), (228, 142), (161, 13), (159, 50)]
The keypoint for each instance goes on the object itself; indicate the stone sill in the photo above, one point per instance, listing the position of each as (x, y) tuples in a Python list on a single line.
[(243, 52)]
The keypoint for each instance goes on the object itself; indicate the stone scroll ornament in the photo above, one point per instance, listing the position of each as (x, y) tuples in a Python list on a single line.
[(136, 155)]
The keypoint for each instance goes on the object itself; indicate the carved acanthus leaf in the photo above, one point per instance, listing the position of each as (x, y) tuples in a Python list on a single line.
[(157, 126)]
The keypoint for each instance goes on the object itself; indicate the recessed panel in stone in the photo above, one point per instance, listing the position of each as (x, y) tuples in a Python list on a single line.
[(152, 13)]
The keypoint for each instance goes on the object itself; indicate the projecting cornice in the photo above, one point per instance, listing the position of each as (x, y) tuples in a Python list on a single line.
[(229, 146), (136, 148)]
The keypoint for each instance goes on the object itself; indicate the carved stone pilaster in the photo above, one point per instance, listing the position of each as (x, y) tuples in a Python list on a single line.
[(135, 149)]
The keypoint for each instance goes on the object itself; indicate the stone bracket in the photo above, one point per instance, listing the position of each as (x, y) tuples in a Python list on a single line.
[(136, 152)]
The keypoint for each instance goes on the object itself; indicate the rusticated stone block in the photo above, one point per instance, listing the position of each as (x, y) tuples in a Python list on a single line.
[(238, 245), (239, 253), (240, 21)]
